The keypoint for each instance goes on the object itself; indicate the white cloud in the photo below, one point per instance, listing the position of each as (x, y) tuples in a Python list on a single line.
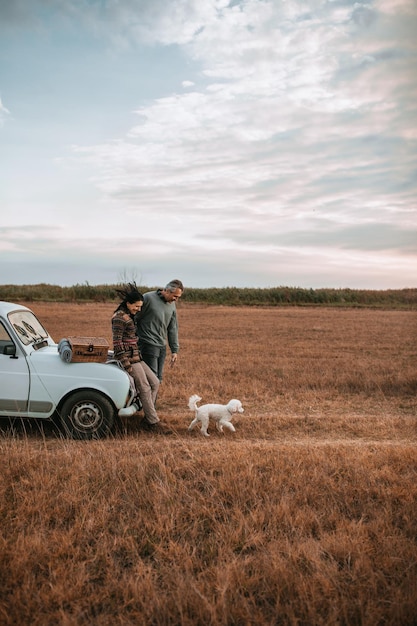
[(292, 128), (3, 113)]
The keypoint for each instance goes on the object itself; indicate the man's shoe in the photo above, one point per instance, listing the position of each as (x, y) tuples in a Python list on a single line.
[(128, 411), (160, 428)]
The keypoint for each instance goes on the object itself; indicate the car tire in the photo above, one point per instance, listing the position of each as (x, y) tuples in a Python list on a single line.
[(87, 415)]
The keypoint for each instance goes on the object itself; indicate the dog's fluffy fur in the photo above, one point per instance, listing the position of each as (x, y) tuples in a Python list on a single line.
[(220, 413)]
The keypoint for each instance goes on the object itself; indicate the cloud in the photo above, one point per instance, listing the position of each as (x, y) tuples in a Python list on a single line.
[(29, 254), (294, 120), (324, 234), (3, 113), (290, 128)]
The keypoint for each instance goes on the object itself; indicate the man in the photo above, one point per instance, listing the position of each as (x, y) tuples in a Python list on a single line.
[(157, 323)]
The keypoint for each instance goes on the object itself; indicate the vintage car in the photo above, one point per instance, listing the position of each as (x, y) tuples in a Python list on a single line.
[(35, 382)]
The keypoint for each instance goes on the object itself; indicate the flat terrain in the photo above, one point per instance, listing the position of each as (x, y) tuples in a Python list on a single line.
[(306, 515), (291, 367)]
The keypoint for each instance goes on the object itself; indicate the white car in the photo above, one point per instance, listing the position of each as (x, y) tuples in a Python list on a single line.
[(36, 383)]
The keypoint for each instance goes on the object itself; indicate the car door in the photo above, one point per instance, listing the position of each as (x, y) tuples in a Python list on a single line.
[(14, 377)]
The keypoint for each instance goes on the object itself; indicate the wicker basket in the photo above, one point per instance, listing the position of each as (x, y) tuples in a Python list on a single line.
[(89, 349)]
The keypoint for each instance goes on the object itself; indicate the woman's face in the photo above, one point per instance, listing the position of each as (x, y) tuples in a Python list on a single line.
[(134, 307)]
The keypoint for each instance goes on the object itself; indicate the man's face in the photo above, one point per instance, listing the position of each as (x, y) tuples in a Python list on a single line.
[(171, 296)]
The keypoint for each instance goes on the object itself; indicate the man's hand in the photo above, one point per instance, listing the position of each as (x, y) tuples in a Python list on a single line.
[(173, 359)]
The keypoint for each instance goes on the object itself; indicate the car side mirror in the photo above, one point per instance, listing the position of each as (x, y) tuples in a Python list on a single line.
[(9, 349)]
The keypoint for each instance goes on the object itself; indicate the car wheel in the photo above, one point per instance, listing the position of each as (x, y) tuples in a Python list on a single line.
[(87, 415)]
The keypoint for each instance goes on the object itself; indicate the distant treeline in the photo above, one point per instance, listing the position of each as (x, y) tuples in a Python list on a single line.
[(227, 296)]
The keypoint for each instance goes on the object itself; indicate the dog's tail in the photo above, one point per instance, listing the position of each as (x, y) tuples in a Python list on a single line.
[(192, 402)]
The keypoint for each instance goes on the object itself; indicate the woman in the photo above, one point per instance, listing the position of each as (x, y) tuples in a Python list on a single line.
[(126, 351)]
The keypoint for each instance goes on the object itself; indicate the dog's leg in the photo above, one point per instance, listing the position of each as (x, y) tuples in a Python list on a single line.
[(228, 425), (193, 423), (204, 425)]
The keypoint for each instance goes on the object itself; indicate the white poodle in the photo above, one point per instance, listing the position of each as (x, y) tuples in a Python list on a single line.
[(221, 413)]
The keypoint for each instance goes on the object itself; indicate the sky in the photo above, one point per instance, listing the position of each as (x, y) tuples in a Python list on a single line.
[(246, 143)]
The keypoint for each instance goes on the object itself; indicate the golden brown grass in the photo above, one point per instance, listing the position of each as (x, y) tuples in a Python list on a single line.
[(306, 515)]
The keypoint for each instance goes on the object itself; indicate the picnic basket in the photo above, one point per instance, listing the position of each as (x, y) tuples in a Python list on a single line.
[(89, 349)]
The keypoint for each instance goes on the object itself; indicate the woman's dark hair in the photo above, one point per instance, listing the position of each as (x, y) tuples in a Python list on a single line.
[(129, 293)]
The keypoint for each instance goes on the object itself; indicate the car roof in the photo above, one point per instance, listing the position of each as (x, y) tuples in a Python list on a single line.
[(8, 307)]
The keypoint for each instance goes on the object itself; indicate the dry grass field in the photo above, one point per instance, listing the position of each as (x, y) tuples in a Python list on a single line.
[(307, 515)]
